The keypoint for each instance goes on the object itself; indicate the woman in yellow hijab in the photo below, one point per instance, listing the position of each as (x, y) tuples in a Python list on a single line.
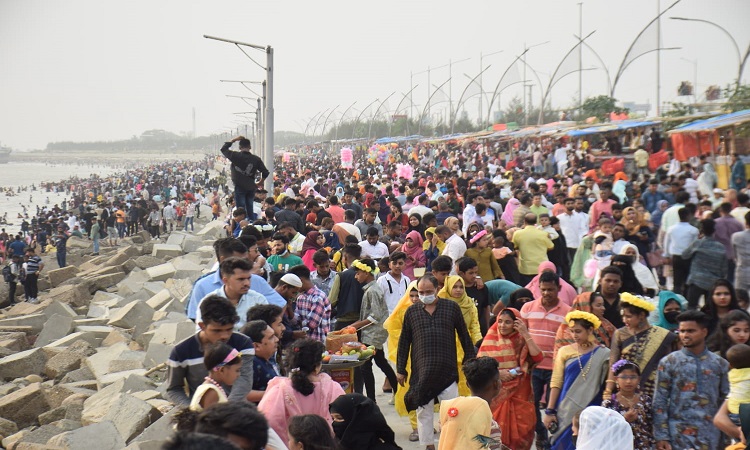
[(393, 326), (454, 290)]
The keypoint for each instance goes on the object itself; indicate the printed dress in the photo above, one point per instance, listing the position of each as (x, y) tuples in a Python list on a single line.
[(643, 438)]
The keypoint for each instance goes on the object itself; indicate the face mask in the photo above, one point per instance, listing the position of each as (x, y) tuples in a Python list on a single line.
[(339, 428), (427, 299), (592, 199), (671, 316)]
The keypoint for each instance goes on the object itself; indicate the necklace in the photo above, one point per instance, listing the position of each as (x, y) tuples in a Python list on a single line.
[(585, 371), (216, 383), (636, 350)]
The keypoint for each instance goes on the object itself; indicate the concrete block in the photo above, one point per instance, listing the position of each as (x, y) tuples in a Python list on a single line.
[(73, 295), (92, 322), (122, 365), (131, 416), (98, 364), (101, 282), (24, 405), (78, 375), (164, 250), (69, 339), (159, 299), (57, 276), (52, 416), (25, 309), (146, 261), (206, 251), (156, 354), (37, 438), (159, 429), (128, 266), (186, 268), (100, 436), (176, 238), (56, 307), (161, 272), (115, 336), (132, 314), (24, 363), (35, 321), (62, 364), (7, 428), (105, 298), (152, 287), (55, 328), (16, 341), (98, 331), (212, 230), (110, 378)]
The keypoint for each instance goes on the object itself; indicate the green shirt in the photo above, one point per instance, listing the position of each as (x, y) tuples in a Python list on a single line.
[(539, 210), (281, 263)]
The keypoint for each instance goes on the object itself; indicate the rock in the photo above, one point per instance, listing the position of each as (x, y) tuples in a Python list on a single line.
[(90, 322), (105, 281), (37, 439), (7, 428), (78, 243), (57, 276), (77, 336), (159, 299), (22, 364), (96, 406), (115, 336), (121, 365), (156, 354), (24, 405), (111, 378), (98, 364), (100, 436), (78, 375), (131, 416), (34, 321), (57, 394), (146, 261), (15, 341), (187, 269), (161, 272), (98, 331), (55, 328), (25, 309), (68, 360), (127, 266), (33, 379), (158, 430), (176, 238), (133, 314), (212, 230), (59, 308), (164, 250), (73, 295), (52, 416), (153, 287), (132, 283)]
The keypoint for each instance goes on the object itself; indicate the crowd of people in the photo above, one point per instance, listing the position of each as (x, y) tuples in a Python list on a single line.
[(539, 300)]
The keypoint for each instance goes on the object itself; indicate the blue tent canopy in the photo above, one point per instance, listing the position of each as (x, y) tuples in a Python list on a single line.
[(614, 126), (714, 122)]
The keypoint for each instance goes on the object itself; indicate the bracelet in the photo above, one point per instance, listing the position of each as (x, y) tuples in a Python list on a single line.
[(550, 412), (611, 381)]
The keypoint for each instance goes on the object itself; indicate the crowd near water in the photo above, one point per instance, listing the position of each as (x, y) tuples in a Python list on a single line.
[(529, 296)]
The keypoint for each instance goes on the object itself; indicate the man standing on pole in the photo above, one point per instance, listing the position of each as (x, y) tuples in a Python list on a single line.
[(245, 168)]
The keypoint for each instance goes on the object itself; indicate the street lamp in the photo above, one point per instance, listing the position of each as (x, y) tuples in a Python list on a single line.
[(525, 65), (740, 60), (481, 88), (268, 150)]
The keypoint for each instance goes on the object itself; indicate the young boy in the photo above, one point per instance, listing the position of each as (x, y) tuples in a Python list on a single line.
[(394, 282), (373, 313), (545, 225), (739, 380), (441, 268)]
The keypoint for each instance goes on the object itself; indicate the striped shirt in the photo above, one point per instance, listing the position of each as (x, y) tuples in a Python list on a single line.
[(543, 327), (32, 265)]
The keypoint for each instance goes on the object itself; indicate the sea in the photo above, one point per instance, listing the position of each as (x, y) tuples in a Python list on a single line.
[(26, 174)]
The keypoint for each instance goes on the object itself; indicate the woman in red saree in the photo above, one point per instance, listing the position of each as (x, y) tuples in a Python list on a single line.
[(509, 342)]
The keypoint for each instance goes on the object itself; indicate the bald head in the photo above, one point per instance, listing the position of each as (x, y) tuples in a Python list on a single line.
[(529, 219)]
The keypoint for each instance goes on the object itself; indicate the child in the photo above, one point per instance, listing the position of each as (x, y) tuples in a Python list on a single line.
[(634, 406), (739, 380), (603, 243), (223, 363), (545, 225), (480, 252)]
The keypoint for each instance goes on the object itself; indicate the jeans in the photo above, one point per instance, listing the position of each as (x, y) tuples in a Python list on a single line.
[(694, 294), (96, 245), (188, 220), (61, 258), (12, 291), (540, 379), (245, 199), (30, 286), (121, 229), (369, 379)]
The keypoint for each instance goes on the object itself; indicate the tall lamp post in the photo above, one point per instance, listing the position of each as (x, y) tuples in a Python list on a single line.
[(268, 150), (740, 59)]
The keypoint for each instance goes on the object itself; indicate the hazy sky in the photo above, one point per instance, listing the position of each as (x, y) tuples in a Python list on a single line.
[(104, 70)]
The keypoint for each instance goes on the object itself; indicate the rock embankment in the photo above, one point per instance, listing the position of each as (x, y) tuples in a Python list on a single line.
[(84, 368)]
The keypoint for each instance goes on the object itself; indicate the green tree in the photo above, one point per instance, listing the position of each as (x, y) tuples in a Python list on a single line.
[(600, 107), (739, 98)]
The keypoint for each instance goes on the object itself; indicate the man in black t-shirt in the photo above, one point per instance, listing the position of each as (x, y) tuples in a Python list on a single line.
[(245, 168)]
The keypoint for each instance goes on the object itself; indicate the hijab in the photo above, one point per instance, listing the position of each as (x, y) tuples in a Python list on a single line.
[(364, 426), (311, 242), (634, 226), (420, 226), (567, 292), (466, 303), (332, 240), (519, 294), (630, 282), (603, 428), (642, 273), (660, 320), (416, 251), (507, 216), (428, 240)]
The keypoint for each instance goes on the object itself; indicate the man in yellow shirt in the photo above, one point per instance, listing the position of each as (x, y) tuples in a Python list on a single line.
[(532, 245), (641, 161)]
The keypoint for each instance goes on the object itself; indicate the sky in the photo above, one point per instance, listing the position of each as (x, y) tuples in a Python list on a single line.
[(85, 70)]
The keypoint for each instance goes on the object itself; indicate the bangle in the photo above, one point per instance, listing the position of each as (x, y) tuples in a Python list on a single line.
[(611, 381), (550, 412)]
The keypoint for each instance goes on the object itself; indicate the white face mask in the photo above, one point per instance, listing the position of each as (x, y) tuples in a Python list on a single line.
[(427, 299)]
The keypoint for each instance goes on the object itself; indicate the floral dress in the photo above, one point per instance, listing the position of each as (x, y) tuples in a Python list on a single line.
[(643, 438)]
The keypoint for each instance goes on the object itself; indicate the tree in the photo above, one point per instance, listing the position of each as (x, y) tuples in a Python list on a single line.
[(600, 107), (739, 98)]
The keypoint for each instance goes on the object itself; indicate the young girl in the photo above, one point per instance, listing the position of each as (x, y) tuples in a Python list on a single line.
[(223, 363), (634, 406), (480, 252)]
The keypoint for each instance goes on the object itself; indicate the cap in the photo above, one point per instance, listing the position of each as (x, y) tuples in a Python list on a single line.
[(292, 280), (718, 191)]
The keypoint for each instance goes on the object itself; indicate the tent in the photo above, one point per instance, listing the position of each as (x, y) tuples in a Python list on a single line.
[(702, 137)]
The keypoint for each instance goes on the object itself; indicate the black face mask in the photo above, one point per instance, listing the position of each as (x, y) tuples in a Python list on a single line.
[(339, 428), (671, 316)]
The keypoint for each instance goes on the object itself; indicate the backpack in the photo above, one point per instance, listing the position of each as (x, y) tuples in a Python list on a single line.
[(8, 277)]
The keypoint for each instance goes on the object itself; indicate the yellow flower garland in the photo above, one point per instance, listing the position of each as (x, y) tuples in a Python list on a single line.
[(637, 301), (359, 265), (583, 315)]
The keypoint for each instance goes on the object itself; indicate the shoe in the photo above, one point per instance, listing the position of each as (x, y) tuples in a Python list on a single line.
[(414, 436), (392, 401), (33, 301)]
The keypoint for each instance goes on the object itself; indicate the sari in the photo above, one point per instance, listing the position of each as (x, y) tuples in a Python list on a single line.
[(578, 393), (603, 334), (393, 325), (646, 349), (513, 408)]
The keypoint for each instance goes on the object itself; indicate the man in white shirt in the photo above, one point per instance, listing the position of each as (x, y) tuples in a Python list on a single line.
[(372, 247), (573, 225), (455, 247), (677, 239), (421, 208), (394, 282), (236, 275), (470, 212)]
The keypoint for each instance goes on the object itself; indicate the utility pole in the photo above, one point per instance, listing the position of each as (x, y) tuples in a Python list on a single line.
[(580, 60), (658, 58)]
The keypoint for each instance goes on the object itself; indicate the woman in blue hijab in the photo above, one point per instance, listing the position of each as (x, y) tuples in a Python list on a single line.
[(670, 306)]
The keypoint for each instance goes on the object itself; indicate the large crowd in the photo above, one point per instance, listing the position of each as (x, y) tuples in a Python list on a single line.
[(531, 297)]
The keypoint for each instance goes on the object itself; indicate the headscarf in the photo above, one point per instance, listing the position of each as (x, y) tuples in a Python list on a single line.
[(468, 309), (642, 273), (630, 282), (507, 216), (340, 192), (332, 240), (420, 226), (509, 350), (428, 240), (635, 226), (518, 294), (657, 213), (311, 242), (603, 334), (384, 209), (364, 426), (462, 421), (342, 233), (567, 292), (603, 428), (417, 250), (657, 317)]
